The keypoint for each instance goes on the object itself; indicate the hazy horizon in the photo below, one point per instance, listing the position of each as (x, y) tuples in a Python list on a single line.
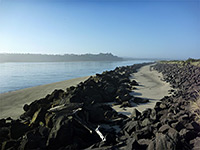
[(131, 28), (125, 57)]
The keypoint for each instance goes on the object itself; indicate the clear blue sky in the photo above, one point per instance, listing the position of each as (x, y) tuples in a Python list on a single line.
[(132, 28)]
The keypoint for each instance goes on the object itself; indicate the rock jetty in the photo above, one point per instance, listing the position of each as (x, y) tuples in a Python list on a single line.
[(82, 117)]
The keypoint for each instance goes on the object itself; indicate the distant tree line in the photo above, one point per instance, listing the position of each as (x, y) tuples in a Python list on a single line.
[(57, 58)]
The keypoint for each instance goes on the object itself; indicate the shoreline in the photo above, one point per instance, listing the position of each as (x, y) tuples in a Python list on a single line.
[(47, 73), (12, 102)]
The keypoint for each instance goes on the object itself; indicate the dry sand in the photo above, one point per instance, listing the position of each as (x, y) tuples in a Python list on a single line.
[(11, 103), (151, 86)]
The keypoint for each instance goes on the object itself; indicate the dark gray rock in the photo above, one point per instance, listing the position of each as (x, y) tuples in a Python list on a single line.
[(163, 106), (135, 113), (9, 145), (153, 115), (188, 134), (144, 142), (132, 126), (134, 83), (164, 129), (18, 129), (132, 144), (178, 126), (4, 134), (145, 122), (110, 89), (146, 113), (26, 107), (146, 132), (164, 142), (196, 143), (196, 126), (140, 100), (125, 97)]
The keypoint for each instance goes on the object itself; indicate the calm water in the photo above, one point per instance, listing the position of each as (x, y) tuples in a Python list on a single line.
[(15, 76)]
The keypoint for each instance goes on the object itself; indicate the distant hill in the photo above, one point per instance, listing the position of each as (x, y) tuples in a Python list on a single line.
[(57, 58)]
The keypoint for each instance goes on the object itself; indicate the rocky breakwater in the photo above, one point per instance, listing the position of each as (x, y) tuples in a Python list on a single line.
[(171, 124), (77, 118)]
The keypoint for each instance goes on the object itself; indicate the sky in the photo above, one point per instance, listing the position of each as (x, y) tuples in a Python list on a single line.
[(126, 28)]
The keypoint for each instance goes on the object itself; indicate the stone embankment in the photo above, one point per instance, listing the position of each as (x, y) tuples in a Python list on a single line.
[(171, 124), (81, 117)]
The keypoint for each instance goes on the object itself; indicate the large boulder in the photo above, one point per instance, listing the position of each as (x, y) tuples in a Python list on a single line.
[(165, 142)]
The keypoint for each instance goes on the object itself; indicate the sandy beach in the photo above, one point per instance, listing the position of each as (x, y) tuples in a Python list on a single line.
[(150, 86), (11, 103)]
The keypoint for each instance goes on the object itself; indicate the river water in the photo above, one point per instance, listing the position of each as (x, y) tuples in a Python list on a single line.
[(16, 76)]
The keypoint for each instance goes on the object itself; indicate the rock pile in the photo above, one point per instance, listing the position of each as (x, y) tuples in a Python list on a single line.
[(80, 118), (73, 119), (170, 124)]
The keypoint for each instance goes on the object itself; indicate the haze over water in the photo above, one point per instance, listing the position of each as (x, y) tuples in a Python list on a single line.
[(16, 76)]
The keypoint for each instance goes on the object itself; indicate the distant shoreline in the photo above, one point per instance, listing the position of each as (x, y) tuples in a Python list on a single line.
[(65, 61), (58, 58), (75, 61), (15, 58)]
